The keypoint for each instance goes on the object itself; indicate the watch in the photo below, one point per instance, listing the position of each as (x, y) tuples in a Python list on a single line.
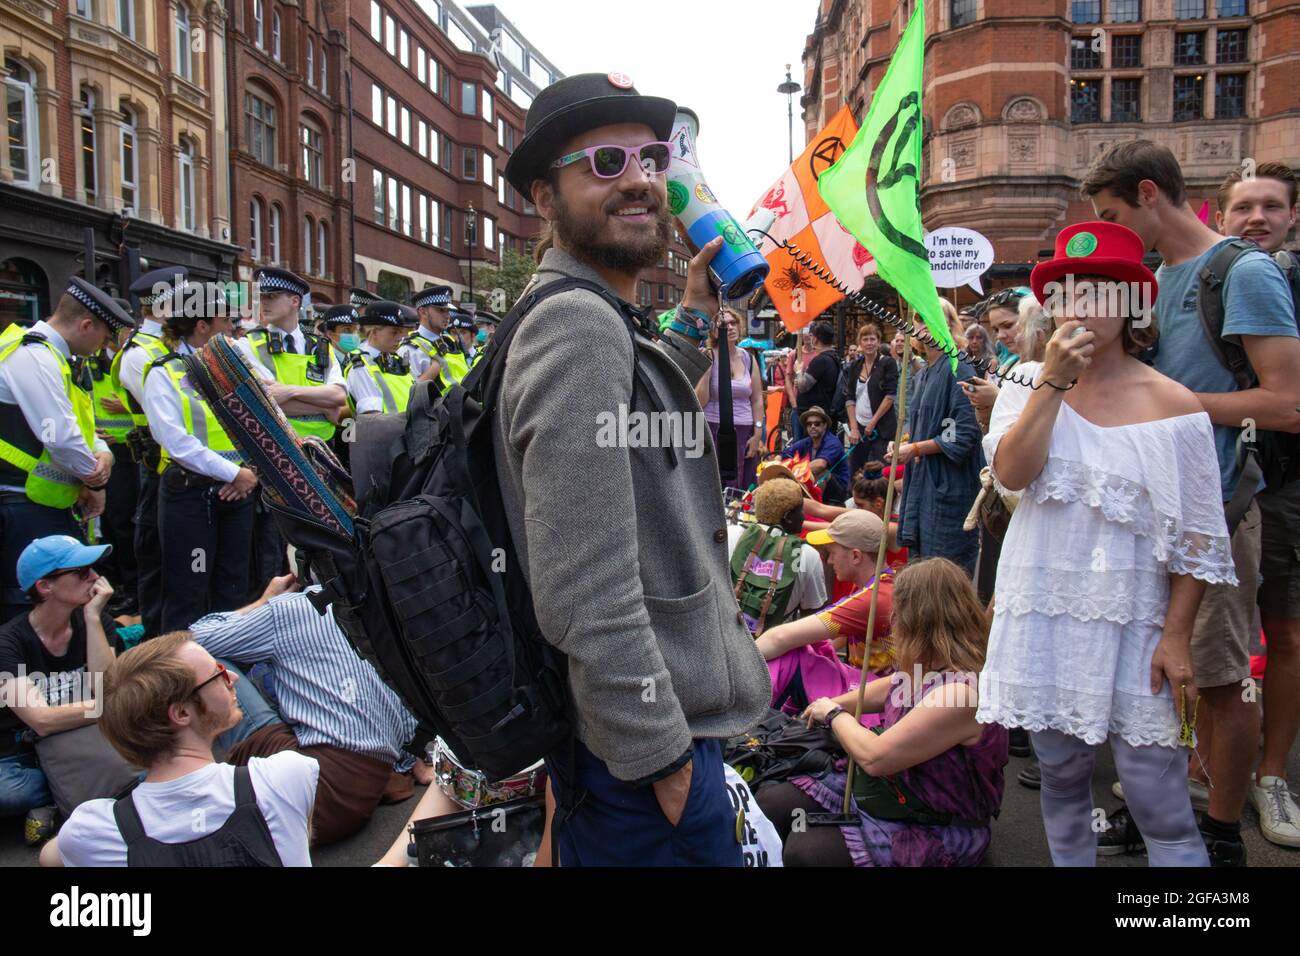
[(831, 715), (690, 322)]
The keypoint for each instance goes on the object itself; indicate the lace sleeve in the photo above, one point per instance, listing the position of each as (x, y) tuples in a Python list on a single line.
[(1011, 401), (1198, 539)]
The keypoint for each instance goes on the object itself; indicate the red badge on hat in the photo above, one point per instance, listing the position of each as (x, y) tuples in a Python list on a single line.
[(621, 80)]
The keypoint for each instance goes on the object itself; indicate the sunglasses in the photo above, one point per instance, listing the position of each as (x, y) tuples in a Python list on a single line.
[(609, 162), (1009, 295), (222, 673), (83, 573)]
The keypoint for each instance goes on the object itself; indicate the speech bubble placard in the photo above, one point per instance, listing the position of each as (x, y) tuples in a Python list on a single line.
[(958, 257)]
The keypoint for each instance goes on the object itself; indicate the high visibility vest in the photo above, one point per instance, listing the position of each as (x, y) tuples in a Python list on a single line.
[(46, 483), (114, 424), (394, 389), (155, 348), (455, 364), (290, 368), (198, 417)]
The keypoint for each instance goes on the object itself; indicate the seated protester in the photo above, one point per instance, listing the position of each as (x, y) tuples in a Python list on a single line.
[(927, 786), (825, 452), (801, 655), (165, 702), (768, 552), (379, 379), (869, 495), (50, 661), (333, 705)]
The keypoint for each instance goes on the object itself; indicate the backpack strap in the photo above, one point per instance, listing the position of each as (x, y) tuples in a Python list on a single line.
[(744, 567), (245, 795), (1211, 310), (128, 819)]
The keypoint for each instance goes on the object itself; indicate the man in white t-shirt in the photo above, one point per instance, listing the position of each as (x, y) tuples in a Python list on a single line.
[(165, 702), (778, 503)]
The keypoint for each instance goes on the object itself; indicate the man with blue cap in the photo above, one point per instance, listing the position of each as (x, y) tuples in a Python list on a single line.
[(429, 345), (145, 346), (50, 457), (379, 379), (51, 664)]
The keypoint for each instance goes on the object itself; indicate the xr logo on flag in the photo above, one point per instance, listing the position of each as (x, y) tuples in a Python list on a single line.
[(886, 173)]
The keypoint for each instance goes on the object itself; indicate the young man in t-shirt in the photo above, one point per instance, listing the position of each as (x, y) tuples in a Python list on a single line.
[(1264, 209), (52, 661), (1139, 184), (165, 702)]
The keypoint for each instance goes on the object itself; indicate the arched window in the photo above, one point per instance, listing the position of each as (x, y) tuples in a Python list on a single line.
[(259, 25), (89, 147), (275, 233), (311, 62), (24, 136), (308, 237), (129, 160), (255, 229), (322, 248), (275, 34), (259, 127), (186, 158), (184, 56), (313, 152)]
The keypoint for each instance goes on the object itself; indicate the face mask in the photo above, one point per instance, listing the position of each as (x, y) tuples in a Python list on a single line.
[(481, 337), (349, 342)]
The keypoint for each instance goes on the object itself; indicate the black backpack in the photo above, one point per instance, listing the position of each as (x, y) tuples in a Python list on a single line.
[(1277, 453), (780, 747)]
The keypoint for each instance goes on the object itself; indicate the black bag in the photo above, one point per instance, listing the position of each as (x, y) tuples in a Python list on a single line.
[(503, 835), (780, 747), (81, 765), (1278, 453)]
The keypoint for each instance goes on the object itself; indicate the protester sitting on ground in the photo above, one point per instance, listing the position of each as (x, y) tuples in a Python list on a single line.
[(1120, 501), (52, 660), (802, 655), (165, 702), (943, 460), (771, 567), (333, 706), (927, 786), (748, 405), (825, 453)]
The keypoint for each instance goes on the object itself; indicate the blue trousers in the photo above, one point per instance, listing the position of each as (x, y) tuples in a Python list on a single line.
[(606, 822), (22, 785), (257, 712)]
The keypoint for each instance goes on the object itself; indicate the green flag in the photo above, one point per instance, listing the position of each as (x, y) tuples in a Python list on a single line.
[(874, 189)]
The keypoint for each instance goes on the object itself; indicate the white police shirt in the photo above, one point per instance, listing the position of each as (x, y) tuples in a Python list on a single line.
[(361, 384), (162, 406), (415, 357), (333, 375), (131, 371), (32, 380)]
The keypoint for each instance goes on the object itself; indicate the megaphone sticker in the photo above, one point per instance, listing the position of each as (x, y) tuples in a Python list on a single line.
[(704, 194), (678, 197)]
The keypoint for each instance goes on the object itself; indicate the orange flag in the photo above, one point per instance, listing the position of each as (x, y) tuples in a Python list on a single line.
[(802, 217)]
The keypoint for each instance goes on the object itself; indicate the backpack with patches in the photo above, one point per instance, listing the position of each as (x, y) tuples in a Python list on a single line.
[(1277, 453), (764, 568)]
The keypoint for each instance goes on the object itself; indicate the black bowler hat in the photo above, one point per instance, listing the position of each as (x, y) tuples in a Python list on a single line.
[(337, 315), (99, 304), (384, 312), (146, 287), (575, 105)]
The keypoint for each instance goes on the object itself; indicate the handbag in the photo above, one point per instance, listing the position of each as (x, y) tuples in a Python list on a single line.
[(80, 765)]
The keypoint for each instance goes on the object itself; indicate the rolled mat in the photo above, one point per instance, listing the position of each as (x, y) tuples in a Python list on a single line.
[(298, 475)]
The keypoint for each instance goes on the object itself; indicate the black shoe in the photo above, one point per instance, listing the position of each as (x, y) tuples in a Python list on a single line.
[(1031, 776), (1120, 836), (1224, 852), (1019, 742), (40, 825)]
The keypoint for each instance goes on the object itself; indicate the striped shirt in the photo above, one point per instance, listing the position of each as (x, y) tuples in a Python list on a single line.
[(326, 692)]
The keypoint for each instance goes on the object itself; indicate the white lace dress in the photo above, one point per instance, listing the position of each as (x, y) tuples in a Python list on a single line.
[(1083, 582)]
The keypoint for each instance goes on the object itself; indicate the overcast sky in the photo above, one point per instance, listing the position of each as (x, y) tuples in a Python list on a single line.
[(722, 59)]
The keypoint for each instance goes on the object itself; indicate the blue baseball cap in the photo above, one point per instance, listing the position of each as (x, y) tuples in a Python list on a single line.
[(58, 552)]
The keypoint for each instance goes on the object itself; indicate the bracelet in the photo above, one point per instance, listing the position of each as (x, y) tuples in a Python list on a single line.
[(831, 715), (690, 321), (94, 487)]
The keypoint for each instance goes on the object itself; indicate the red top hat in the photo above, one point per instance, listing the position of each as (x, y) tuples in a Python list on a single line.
[(1096, 248)]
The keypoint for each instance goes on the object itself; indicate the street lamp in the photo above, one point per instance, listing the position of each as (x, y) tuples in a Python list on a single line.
[(789, 88), (471, 237)]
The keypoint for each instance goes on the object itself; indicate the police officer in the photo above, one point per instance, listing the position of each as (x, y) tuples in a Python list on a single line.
[(360, 298), (303, 377), (339, 323), (465, 332), (379, 378), (426, 349), (486, 324), (50, 457), (145, 346), (205, 503), (113, 423)]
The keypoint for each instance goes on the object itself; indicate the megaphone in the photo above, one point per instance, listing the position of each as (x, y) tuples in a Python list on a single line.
[(738, 268)]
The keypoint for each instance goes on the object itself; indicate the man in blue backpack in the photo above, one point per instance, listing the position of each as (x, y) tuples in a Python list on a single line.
[(630, 581)]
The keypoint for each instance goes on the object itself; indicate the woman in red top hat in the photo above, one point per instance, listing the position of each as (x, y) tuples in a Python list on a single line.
[(1105, 560)]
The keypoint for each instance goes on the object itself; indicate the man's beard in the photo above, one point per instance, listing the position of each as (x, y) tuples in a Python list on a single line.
[(583, 237)]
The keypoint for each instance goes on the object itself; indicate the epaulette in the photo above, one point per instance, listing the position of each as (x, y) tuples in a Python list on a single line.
[(356, 359)]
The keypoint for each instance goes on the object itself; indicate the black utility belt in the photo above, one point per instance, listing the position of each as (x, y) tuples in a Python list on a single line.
[(179, 478)]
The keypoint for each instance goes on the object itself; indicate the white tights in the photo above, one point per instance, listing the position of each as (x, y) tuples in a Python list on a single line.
[(1155, 787)]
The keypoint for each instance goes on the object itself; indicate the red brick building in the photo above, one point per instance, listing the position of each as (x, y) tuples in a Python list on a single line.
[(291, 203), (1020, 95)]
